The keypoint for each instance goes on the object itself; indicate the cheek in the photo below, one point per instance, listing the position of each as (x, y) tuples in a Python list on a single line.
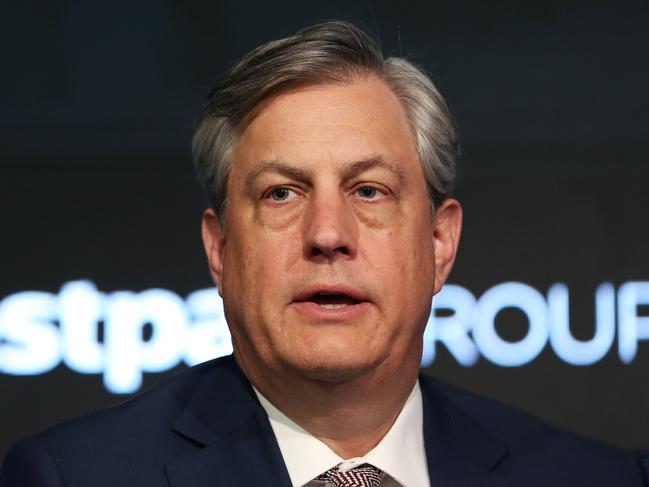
[(259, 265), (406, 258)]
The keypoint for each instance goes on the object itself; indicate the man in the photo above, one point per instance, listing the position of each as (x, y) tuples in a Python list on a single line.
[(330, 228)]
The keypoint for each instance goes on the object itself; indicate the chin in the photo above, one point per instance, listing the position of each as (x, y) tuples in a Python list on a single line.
[(326, 366)]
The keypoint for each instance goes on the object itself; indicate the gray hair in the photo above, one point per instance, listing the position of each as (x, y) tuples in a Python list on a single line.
[(327, 53)]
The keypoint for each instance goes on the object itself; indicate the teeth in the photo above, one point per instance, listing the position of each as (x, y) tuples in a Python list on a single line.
[(333, 306)]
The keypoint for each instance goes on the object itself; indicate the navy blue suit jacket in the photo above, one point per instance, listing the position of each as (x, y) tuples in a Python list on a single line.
[(205, 428)]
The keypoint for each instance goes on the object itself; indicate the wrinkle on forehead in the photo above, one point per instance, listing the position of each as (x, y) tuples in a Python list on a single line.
[(344, 127), (362, 87)]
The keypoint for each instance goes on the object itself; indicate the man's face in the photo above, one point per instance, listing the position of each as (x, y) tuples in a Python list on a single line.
[(328, 262)]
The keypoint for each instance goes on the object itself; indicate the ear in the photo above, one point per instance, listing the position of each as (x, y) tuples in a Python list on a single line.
[(446, 236), (214, 244)]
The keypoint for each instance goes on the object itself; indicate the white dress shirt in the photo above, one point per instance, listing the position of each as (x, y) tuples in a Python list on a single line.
[(400, 454)]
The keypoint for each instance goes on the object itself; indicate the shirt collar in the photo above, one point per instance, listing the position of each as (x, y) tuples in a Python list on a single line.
[(400, 453)]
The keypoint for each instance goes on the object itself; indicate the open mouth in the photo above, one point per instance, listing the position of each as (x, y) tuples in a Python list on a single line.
[(332, 301)]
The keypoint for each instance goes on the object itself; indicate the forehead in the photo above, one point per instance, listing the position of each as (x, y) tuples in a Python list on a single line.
[(325, 125)]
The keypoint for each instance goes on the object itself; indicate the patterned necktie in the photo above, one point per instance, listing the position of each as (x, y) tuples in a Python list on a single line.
[(365, 475)]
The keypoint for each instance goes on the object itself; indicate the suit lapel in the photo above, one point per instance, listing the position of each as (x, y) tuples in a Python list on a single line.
[(459, 451), (237, 446)]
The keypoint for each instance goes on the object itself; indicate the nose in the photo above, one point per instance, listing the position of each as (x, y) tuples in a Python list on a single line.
[(330, 228)]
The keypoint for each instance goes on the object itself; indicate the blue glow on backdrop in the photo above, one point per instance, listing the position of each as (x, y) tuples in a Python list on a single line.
[(93, 332)]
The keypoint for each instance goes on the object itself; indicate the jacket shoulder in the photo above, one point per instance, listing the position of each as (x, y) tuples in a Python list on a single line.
[(542, 453), (158, 405), (129, 440)]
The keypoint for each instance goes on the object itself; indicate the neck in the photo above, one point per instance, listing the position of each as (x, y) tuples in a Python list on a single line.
[(350, 416)]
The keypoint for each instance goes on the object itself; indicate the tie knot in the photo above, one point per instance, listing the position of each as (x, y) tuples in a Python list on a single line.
[(364, 475)]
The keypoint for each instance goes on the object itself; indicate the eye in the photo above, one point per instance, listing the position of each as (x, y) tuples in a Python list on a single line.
[(281, 194), (369, 192)]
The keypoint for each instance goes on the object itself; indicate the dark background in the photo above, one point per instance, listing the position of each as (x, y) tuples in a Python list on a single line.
[(99, 103)]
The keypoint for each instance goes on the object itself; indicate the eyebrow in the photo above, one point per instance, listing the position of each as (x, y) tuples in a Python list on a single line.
[(350, 169), (375, 161), (264, 167)]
